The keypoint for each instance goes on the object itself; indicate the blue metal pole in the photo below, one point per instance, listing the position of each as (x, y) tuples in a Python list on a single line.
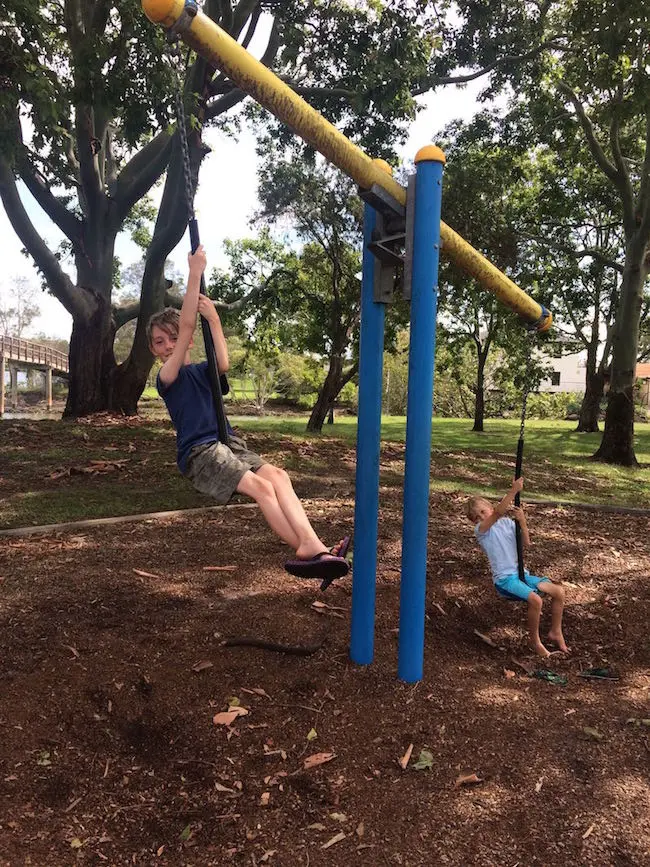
[(426, 247), (371, 354)]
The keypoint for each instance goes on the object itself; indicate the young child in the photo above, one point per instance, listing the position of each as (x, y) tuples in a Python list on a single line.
[(215, 468), (496, 535)]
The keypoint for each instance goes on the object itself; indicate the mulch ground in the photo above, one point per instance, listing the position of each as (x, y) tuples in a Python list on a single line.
[(113, 670)]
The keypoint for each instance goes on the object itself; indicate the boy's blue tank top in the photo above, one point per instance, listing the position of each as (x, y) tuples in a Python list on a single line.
[(189, 402)]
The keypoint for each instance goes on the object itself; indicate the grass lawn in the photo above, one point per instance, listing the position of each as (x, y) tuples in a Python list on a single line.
[(557, 460), (61, 471)]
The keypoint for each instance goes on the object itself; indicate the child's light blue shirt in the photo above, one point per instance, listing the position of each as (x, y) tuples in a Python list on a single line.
[(500, 545)]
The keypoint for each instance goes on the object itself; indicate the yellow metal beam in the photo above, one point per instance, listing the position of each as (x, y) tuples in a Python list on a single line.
[(220, 49)]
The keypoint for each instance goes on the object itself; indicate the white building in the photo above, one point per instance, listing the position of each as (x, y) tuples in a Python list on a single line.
[(569, 373)]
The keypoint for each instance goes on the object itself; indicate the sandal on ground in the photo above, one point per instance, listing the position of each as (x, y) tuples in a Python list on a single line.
[(599, 674), (550, 677)]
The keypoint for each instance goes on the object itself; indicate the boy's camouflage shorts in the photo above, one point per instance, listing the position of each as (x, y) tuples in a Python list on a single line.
[(216, 469)]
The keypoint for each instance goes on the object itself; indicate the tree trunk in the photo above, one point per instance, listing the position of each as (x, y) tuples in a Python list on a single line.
[(328, 394), (479, 398), (617, 446), (92, 363), (590, 407)]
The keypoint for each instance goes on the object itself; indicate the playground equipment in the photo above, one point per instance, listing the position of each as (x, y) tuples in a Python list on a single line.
[(396, 218)]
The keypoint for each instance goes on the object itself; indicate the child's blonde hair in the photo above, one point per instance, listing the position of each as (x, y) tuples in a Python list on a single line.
[(167, 320), (472, 505)]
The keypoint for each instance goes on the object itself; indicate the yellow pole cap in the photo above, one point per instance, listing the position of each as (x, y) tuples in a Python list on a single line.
[(430, 153), (383, 165), (546, 324), (160, 11)]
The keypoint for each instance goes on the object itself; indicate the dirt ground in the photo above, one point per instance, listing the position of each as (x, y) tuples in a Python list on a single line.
[(112, 670)]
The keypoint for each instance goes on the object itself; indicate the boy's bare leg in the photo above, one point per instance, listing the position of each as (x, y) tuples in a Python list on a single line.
[(534, 613), (557, 594), (308, 544), (262, 491)]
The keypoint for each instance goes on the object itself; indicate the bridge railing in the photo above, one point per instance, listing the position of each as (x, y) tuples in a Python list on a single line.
[(17, 349)]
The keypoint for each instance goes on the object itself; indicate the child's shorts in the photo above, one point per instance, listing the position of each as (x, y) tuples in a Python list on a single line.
[(216, 469), (513, 588)]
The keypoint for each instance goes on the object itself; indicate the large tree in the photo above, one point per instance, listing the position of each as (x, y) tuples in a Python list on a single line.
[(591, 80), (485, 191), (89, 76)]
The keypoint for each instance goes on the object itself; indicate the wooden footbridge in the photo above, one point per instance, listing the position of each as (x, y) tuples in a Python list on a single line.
[(18, 354)]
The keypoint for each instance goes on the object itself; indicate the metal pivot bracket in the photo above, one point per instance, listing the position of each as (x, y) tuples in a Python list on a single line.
[(385, 266), (382, 201), (408, 241), (184, 22)]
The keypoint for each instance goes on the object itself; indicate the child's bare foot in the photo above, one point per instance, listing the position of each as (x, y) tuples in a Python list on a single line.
[(558, 640), (540, 650)]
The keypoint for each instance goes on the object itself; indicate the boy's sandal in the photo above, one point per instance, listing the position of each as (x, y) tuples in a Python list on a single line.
[(599, 674), (550, 677), (324, 566)]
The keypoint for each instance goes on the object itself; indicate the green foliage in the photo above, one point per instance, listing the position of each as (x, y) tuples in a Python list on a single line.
[(557, 405), (299, 376)]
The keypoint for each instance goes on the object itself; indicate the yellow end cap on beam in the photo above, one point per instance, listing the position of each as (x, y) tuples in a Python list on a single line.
[(383, 165), (430, 153), (546, 324), (165, 12)]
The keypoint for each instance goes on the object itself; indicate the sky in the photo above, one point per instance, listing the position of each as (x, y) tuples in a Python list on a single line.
[(224, 203)]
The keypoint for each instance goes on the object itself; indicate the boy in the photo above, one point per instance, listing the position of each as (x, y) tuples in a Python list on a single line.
[(496, 535), (215, 468)]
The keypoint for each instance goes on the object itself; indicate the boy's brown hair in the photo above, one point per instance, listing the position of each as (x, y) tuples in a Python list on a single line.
[(167, 320)]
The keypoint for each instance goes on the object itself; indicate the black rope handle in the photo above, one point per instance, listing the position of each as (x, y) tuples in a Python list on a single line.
[(520, 451)]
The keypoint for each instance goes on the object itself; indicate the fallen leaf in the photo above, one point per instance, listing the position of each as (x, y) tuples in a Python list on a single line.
[(219, 788), (160, 850), (265, 797), (467, 780), (336, 839), (268, 855), (312, 734), (508, 673), (186, 833), (339, 817), (360, 830), (75, 843), (317, 759), (424, 762), (316, 826), (202, 666), (588, 832), (228, 717), (403, 762)]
